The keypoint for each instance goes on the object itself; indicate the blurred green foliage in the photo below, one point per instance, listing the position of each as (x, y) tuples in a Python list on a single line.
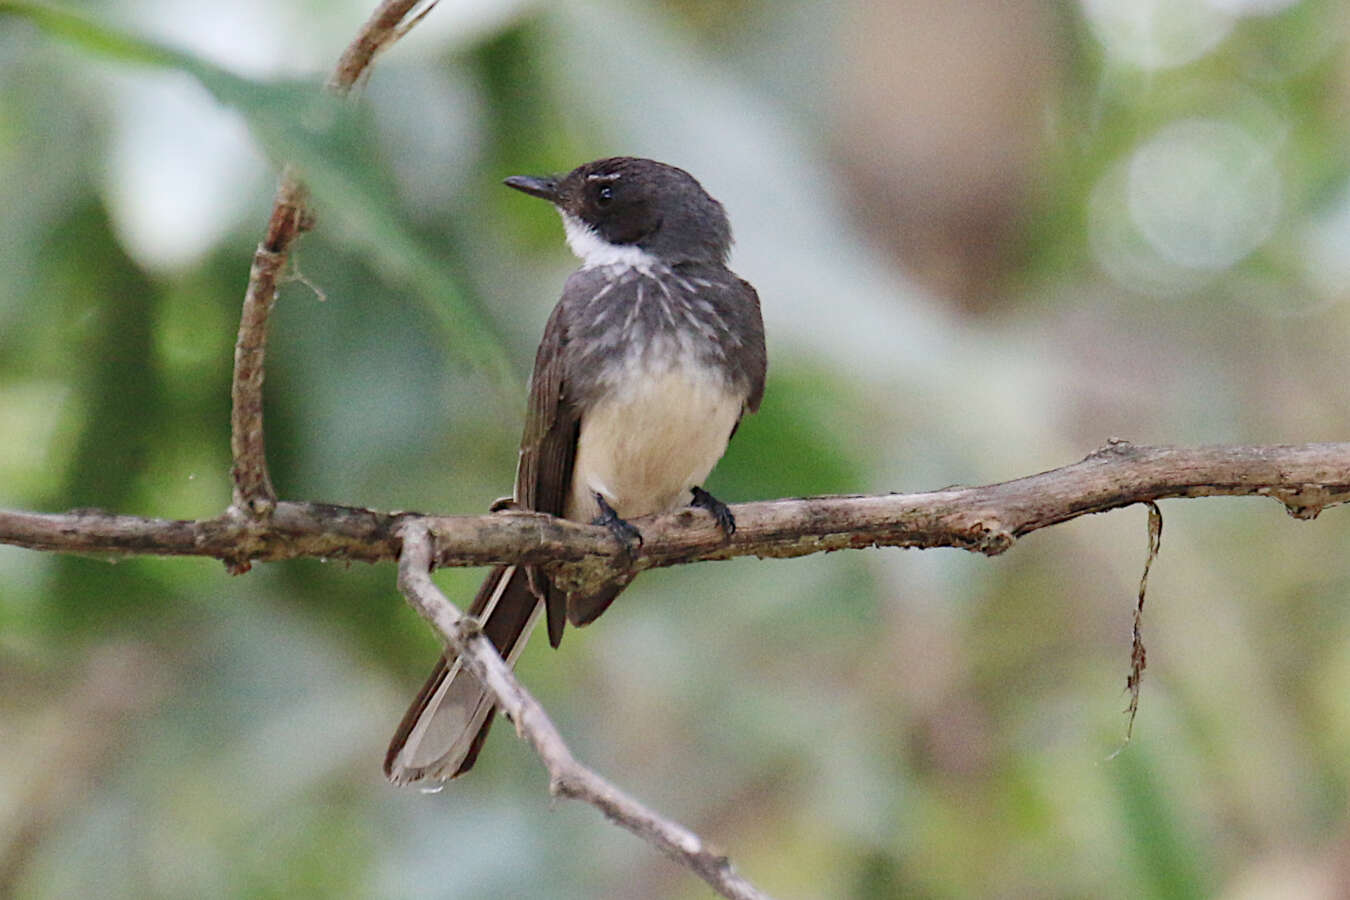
[(1168, 218)]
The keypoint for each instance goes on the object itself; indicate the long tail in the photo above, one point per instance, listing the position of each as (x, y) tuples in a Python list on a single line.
[(443, 730)]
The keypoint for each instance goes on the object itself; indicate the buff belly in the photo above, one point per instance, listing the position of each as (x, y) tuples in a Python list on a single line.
[(652, 439)]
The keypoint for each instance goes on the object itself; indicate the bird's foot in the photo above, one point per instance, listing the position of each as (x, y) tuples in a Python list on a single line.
[(720, 511), (629, 538)]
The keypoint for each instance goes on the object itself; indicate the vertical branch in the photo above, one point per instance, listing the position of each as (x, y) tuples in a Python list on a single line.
[(253, 494)]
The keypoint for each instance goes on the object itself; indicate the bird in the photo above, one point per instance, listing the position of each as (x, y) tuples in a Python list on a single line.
[(648, 363)]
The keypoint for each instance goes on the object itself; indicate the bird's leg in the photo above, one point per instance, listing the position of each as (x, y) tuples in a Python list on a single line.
[(629, 538), (720, 511)]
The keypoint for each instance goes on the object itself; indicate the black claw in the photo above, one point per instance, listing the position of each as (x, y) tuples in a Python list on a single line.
[(720, 511), (629, 538)]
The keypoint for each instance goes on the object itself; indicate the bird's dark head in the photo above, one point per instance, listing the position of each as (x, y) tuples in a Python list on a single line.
[(626, 211)]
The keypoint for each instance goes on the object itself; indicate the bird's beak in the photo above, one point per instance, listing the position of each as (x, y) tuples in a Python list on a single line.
[(543, 186)]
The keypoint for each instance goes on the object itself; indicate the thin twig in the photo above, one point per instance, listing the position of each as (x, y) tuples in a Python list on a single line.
[(567, 776), (1304, 477), (253, 494), (1138, 657), (384, 28)]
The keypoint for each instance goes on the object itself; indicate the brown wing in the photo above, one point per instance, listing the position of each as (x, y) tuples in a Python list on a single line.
[(443, 730), (547, 451), (755, 362)]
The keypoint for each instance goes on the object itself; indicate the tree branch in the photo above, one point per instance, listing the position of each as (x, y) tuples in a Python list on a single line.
[(384, 27), (253, 495), (567, 777), (1304, 477)]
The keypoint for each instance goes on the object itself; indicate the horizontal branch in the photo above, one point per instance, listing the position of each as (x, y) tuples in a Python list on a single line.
[(1305, 477)]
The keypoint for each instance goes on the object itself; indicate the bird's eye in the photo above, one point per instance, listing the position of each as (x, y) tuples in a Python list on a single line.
[(603, 194)]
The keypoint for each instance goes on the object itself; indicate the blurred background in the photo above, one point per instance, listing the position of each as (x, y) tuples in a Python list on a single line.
[(988, 237)]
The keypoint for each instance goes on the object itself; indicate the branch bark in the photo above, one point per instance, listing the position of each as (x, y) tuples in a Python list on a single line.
[(256, 526), (1306, 478), (253, 494), (567, 777)]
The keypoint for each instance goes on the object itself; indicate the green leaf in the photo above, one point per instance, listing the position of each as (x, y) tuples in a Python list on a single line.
[(90, 36), (325, 138)]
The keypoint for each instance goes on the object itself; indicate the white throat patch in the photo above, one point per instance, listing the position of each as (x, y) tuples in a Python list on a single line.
[(593, 250)]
